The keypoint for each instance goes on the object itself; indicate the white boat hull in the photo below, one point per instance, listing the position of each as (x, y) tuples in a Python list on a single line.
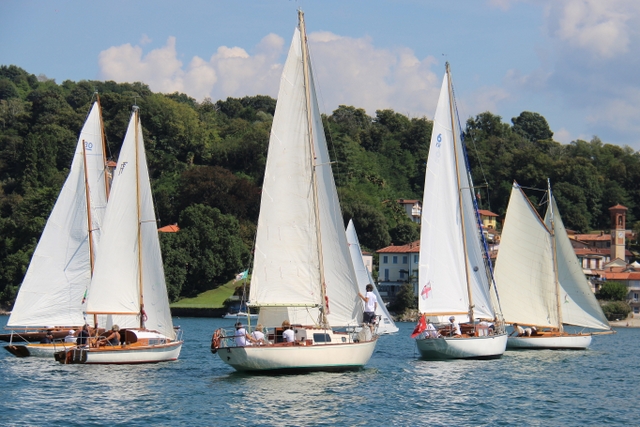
[(125, 355), (252, 316), (484, 347), (318, 357), (564, 342), (38, 350)]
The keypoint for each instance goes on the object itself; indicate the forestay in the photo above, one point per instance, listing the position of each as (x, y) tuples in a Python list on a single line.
[(60, 270)]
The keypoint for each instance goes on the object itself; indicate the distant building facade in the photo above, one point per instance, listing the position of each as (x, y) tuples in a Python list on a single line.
[(398, 265), (413, 209)]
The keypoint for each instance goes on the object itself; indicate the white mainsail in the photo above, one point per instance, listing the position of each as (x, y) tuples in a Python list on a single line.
[(577, 301), (452, 264), (53, 290), (524, 268), (386, 325), (300, 234), (130, 249)]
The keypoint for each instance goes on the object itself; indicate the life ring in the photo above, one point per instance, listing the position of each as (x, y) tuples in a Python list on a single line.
[(215, 341)]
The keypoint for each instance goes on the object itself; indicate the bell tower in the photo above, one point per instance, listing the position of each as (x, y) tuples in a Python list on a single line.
[(618, 223)]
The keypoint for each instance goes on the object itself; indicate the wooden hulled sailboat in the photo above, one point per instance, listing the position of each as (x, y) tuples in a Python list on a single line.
[(53, 293), (302, 268), (541, 280), (128, 281), (385, 325), (455, 277)]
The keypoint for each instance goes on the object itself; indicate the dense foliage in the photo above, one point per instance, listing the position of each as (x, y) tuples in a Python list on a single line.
[(612, 291), (207, 160), (616, 310)]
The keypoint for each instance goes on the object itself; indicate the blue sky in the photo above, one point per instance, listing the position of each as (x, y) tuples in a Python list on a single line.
[(575, 62)]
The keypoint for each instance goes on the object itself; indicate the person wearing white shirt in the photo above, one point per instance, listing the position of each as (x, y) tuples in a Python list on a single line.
[(370, 306), (241, 336), (455, 327), (287, 334), (258, 335)]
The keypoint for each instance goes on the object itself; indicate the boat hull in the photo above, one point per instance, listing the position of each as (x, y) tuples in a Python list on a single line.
[(121, 355), (483, 347), (38, 350), (562, 342), (298, 358)]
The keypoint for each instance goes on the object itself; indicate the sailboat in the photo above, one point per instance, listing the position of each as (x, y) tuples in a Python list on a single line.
[(53, 292), (385, 325), (541, 280), (128, 283), (455, 278), (302, 270)]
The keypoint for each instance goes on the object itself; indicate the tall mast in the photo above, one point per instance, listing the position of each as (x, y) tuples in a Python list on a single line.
[(138, 203), (104, 148), (555, 256), (460, 202), (305, 68)]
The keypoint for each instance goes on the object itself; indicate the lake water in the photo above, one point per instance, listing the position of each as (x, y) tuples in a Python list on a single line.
[(599, 386)]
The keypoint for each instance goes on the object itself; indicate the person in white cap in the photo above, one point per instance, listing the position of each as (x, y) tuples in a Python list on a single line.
[(71, 336), (455, 327)]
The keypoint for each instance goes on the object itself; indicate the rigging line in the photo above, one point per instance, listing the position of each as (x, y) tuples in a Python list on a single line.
[(475, 148)]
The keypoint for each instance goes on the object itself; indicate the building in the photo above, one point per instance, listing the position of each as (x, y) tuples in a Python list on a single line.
[(413, 209), (398, 265), (489, 219)]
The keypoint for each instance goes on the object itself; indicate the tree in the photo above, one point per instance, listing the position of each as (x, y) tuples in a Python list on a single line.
[(405, 232), (532, 126), (405, 300), (613, 291), (616, 310)]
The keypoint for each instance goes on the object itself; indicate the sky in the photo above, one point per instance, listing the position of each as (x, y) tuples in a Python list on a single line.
[(575, 62)]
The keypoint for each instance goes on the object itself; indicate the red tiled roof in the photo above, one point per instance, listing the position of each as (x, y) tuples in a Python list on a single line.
[(407, 201), (609, 275), (413, 247), (173, 228), (486, 213), (591, 237), (618, 206)]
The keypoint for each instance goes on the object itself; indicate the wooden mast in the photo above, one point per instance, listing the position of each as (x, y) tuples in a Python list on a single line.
[(136, 111), (555, 257), (305, 67), (460, 201), (107, 184)]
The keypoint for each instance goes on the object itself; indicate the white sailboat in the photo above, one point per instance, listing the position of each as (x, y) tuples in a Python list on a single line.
[(54, 288), (541, 281), (128, 281), (386, 325), (302, 268), (454, 276)]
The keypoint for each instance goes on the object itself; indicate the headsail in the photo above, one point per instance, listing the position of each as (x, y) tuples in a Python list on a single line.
[(129, 239), (451, 261), (60, 270), (386, 325), (286, 279), (577, 301)]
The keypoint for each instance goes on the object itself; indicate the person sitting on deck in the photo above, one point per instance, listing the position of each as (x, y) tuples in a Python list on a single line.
[(112, 339), (455, 327), (70, 336), (241, 335), (258, 335), (287, 334), (431, 331), (518, 330), (47, 338)]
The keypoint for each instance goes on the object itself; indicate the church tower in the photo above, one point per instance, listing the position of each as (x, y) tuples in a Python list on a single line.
[(618, 221)]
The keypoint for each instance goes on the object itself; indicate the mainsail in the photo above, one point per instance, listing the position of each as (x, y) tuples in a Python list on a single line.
[(452, 263), (300, 235), (53, 290), (129, 271)]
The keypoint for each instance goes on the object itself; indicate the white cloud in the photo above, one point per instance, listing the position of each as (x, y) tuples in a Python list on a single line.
[(145, 40), (348, 71)]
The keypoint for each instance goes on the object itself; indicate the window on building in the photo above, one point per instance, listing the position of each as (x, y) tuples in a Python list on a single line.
[(635, 296), (405, 259), (385, 259), (636, 310), (395, 259), (402, 274), (386, 274), (415, 259)]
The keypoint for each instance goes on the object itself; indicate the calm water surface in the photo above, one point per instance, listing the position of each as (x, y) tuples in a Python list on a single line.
[(599, 386)]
